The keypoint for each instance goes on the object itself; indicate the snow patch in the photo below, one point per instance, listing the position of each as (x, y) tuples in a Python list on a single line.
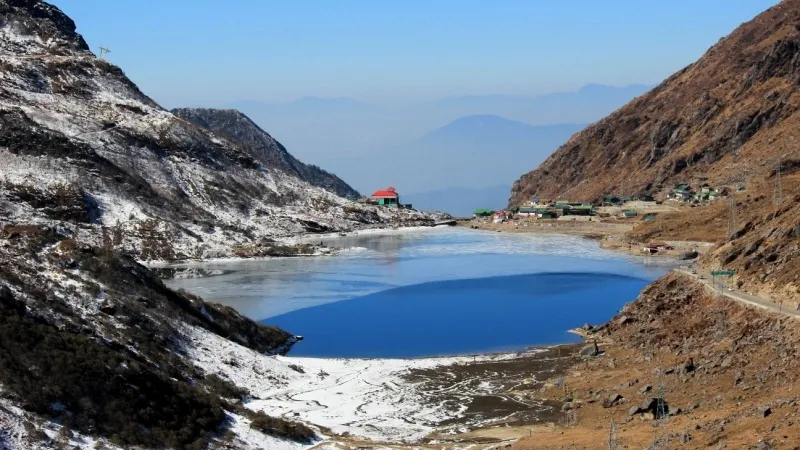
[(369, 398)]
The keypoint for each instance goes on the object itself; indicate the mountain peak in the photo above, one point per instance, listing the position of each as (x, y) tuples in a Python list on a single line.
[(484, 119), (33, 27), (236, 127)]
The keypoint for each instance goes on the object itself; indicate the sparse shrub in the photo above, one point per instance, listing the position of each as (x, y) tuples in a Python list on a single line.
[(67, 246), (274, 426), (225, 388)]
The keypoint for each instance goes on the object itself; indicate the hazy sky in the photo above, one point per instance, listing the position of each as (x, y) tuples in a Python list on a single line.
[(196, 52)]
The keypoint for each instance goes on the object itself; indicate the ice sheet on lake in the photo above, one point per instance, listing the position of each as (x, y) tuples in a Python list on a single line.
[(265, 288)]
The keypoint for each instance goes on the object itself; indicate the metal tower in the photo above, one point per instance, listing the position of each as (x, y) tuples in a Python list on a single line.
[(731, 216), (660, 438)]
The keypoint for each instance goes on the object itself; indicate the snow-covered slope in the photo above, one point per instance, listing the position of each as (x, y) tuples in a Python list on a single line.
[(80, 142)]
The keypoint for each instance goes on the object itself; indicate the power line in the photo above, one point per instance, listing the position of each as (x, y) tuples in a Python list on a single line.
[(103, 52)]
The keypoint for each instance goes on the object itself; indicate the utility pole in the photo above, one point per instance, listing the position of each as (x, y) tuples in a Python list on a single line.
[(103, 52), (778, 196)]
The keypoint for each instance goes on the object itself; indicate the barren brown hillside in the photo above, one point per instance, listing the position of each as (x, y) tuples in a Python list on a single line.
[(729, 119), (726, 375), (733, 109), (764, 246)]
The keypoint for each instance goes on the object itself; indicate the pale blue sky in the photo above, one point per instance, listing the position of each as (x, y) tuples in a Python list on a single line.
[(194, 52)]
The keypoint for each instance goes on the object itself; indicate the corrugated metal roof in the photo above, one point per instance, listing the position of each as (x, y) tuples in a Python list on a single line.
[(388, 192)]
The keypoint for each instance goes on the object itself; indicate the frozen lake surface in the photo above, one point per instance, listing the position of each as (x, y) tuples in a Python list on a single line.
[(431, 292)]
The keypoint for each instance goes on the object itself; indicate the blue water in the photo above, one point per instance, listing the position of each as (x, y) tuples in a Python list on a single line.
[(433, 292), (460, 316)]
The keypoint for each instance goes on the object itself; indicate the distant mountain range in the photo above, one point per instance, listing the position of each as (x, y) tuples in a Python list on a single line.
[(460, 201), (475, 151), (359, 141), (312, 126), (585, 105)]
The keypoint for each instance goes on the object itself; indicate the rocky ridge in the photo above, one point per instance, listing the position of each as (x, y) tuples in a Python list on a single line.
[(236, 127), (81, 143)]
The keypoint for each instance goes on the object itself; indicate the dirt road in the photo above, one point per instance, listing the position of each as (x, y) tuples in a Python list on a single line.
[(706, 278)]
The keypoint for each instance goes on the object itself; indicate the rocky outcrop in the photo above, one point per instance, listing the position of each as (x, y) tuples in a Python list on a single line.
[(234, 126), (95, 342)]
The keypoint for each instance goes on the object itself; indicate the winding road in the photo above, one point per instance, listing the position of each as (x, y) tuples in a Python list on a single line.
[(752, 300)]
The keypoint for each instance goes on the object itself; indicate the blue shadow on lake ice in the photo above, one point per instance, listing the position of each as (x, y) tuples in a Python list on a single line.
[(500, 313)]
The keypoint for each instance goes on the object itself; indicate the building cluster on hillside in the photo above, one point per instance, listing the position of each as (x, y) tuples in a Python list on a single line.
[(614, 200), (538, 209), (684, 193)]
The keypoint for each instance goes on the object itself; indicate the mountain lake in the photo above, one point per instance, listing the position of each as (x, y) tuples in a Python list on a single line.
[(429, 292)]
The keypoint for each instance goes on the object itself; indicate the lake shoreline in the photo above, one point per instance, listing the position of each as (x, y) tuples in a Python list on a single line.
[(306, 239), (472, 398), (610, 236), (401, 403)]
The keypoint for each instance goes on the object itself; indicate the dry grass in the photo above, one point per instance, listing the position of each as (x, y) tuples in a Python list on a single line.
[(763, 355)]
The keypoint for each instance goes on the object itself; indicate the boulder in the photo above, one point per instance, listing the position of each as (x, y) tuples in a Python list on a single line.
[(764, 445), (656, 407), (566, 406), (590, 350), (686, 367), (764, 411), (688, 255), (727, 362), (108, 308), (612, 400), (644, 389)]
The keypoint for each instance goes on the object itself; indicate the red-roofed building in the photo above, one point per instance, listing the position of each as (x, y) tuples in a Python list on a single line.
[(388, 197)]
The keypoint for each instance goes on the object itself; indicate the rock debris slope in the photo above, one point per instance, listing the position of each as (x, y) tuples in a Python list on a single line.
[(80, 142)]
